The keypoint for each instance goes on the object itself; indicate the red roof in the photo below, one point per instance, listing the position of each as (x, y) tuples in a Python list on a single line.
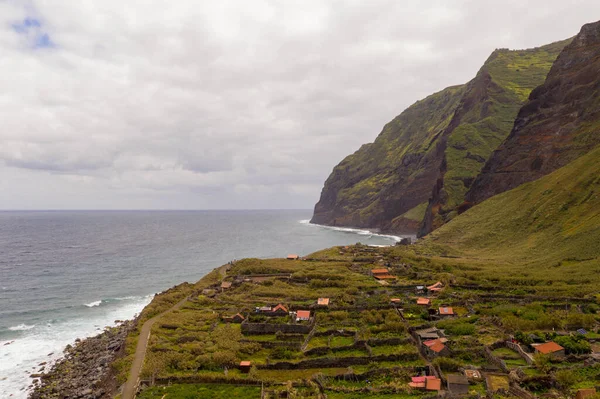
[(549, 347), (437, 347), (292, 256), (279, 306), (380, 271), (245, 363), (395, 300), (437, 286), (303, 314), (434, 384), (423, 301), (446, 311)]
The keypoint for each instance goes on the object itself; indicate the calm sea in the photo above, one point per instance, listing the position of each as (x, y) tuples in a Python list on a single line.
[(66, 275)]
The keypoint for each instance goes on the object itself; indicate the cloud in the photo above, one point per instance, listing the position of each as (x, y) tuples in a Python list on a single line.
[(227, 104)]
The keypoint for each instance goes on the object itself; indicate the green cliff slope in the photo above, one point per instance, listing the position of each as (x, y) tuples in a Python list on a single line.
[(438, 145), (552, 221)]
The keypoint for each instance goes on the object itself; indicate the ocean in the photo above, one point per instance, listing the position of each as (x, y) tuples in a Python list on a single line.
[(68, 274)]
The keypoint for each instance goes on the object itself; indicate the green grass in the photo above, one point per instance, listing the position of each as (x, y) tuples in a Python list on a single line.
[(552, 223), (205, 391)]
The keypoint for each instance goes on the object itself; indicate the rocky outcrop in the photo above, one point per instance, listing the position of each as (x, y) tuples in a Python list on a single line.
[(85, 370), (559, 123)]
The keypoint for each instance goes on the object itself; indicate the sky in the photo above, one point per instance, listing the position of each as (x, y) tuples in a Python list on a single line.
[(232, 104)]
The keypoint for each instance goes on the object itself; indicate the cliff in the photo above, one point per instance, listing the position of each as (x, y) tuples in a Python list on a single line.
[(435, 148), (558, 124)]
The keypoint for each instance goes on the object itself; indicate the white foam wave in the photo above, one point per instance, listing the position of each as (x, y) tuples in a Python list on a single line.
[(361, 232), (21, 327), (93, 304), (24, 355)]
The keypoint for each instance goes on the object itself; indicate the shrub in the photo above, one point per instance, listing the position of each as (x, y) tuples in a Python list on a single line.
[(447, 364), (575, 345)]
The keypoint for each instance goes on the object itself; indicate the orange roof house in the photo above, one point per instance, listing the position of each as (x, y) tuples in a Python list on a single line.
[(245, 366), (323, 301), (379, 271), (424, 301), (303, 315), (279, 308), (395, 300), (420, 382), (433, 384), (550, 348), (436, 287), (293, 257), (446, 311)]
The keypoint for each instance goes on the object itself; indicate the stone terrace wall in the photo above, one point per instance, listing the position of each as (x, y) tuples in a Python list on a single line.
[(267, 328)]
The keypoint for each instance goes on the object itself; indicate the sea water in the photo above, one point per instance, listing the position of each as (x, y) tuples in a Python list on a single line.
[(68, 274)]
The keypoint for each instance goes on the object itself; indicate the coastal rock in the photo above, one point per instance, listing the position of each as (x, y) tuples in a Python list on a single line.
[(84, 370)]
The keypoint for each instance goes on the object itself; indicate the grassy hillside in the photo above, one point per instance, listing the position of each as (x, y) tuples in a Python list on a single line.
[(553, 222), (486, 118)]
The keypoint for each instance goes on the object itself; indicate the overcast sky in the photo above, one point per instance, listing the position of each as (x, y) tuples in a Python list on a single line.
[(113, 104)]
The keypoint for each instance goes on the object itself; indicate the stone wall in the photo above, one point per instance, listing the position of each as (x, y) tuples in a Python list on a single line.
[(268, 328)]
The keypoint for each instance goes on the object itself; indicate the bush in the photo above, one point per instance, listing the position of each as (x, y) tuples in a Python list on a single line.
[(574, 345), (447, 364)]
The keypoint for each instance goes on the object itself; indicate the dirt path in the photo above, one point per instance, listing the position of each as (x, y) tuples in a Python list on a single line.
[(129, 389)]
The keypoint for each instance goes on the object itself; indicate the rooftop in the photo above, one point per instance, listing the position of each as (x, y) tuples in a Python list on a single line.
[(323, 301), (446, 311), (549, 347)]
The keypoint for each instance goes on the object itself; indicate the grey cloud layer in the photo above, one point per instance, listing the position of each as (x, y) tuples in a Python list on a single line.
[(232, 105)]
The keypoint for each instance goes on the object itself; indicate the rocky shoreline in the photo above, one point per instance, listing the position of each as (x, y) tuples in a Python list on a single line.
[(85, 371)]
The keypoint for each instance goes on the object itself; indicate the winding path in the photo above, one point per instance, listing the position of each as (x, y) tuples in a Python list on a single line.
[(130, 387)]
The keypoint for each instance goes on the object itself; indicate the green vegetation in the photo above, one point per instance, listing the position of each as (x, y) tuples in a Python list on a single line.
[(551, 224), (192, 391)]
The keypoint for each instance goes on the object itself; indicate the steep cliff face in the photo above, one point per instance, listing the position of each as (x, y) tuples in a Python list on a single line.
[(379, 183), (438, 144), (559, 123)]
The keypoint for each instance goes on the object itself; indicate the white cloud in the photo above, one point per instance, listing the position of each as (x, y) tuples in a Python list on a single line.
[(187, 104)]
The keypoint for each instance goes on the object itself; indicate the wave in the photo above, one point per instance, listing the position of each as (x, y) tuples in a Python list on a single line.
[(362, 232), (93, 304), (21, 327)]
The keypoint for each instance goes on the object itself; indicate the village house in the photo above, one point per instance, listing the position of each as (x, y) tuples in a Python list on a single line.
[(445, 312), (420, 289), (237, 318), (457, 384), (437, 287), (395, 301), (225, 285), (436, 348), (550, 348), (245, 366), (323, 301), (423, 301), (303, 315), (381, 274), (423, 382), (279, 310), (293, 257)]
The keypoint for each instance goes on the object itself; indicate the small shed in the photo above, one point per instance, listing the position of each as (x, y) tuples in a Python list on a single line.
[(458, 384), (550, 348), (423, 301), (279, 310), (433, 384), (245, 366), (225, 285), (395, 301), (472, 374), (446, 311), (292, 257), (323, 301), (238, 318), (303, 315), (438, 349), (437, 287), (381, 271)]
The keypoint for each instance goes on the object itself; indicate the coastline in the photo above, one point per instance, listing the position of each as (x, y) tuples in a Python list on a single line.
[(362, 231)]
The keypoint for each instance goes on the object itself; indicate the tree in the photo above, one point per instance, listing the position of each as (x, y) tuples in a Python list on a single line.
[(542, 362), (566, 379)]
